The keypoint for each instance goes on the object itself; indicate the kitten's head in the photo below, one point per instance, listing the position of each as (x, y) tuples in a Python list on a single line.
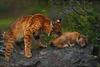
[(82, 41)]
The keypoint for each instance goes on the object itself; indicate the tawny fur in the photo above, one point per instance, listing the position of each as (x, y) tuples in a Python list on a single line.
[(69, 39), (25, 27)]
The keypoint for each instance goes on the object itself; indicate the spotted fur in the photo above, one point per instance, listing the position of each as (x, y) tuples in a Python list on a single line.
[(25, 27), (57, 28)]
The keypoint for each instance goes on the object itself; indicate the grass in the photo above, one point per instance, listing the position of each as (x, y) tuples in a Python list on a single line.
[(5, 23)]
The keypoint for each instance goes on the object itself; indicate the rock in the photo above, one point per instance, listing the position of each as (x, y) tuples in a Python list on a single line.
[(67, 57), (54, 57)]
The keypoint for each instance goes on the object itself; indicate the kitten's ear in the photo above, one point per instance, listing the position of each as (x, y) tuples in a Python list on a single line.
[(77, 40)]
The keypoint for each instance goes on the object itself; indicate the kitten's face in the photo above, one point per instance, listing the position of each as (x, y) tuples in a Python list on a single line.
[(82, 41)]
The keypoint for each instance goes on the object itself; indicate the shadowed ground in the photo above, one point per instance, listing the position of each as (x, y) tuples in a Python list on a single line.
[(54, 57)]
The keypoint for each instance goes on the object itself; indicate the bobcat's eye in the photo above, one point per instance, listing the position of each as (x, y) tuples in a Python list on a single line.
[(58, 20)]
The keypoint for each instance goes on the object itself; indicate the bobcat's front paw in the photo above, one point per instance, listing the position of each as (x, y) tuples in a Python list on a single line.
[(28, 55)]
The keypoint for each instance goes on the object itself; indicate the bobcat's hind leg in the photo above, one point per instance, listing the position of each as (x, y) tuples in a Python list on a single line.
[(28, 43), (9, 42)]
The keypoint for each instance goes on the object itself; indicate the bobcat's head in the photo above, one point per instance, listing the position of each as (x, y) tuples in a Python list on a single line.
[(57, 27)]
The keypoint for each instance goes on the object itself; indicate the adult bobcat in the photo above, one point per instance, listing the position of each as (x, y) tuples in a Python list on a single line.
[(26, 27)]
